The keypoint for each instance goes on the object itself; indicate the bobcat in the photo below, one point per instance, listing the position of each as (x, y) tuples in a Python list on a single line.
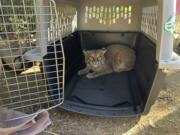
[(114, 58)]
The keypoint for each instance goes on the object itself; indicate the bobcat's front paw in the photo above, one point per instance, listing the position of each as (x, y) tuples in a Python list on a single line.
[(81, 72), (90, 76)]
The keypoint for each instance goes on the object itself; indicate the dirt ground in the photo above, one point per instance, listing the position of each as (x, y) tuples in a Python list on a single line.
[(163, 119)]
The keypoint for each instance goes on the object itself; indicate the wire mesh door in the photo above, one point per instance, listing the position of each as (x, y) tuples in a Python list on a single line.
[(32, 58)]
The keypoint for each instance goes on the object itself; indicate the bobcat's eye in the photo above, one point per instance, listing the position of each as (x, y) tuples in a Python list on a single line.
[(91, 58)]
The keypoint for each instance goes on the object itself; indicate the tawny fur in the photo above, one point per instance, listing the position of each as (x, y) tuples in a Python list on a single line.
[(114, 58)]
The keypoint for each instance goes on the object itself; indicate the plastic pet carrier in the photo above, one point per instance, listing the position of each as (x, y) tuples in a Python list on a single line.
[(42, 43), (145, 25)]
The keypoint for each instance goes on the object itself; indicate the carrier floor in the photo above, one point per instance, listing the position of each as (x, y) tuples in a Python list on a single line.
[(109, 94)]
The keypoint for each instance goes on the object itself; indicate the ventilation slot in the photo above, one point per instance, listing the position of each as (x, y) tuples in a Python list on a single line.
[(149, 21), (108, 15), (68, 19)]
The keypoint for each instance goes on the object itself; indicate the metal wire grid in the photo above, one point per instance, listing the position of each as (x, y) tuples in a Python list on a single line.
[(29, 86)]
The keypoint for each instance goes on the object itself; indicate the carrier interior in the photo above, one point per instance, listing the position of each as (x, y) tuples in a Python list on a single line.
[(91, 24)]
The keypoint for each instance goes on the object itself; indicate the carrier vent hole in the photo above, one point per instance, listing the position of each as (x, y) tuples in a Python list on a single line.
[(108, 15)]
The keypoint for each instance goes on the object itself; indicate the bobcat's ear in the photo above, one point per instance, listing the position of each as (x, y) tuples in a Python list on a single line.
[(86, 52), (103, 50)]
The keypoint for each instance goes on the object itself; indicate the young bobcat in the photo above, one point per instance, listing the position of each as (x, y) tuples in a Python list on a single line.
[(115, 58)]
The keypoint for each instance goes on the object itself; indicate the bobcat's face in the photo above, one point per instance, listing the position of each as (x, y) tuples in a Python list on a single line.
[(95, 58)]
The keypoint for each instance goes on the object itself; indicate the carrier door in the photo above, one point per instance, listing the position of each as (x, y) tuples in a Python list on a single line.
[(167, 27), (31, 56)]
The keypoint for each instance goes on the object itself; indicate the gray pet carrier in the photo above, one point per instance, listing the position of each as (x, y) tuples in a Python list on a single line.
[(42, 43)]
